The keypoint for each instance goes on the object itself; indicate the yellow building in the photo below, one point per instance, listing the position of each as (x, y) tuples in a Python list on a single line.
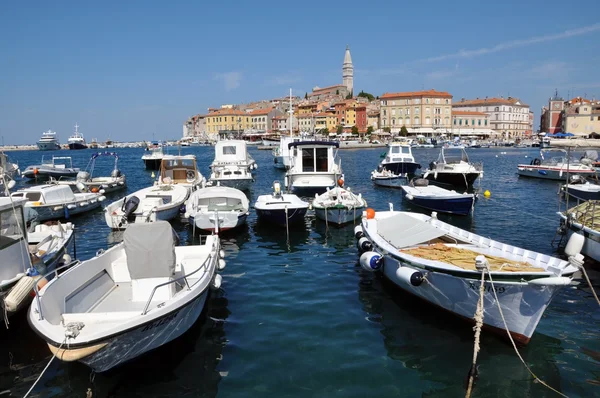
[(582, 117), (226, 119), (325, 120), (420, 111)]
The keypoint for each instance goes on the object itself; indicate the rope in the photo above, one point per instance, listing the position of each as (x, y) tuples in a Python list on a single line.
[(513, 341), (46, 368), (478, 324), (589, 283)]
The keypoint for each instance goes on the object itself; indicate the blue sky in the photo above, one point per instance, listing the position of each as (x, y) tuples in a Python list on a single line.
[(131, 69)]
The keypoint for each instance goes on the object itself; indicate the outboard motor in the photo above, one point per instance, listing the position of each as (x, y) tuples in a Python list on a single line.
[(83, 176), (116, 173), (129, 206)]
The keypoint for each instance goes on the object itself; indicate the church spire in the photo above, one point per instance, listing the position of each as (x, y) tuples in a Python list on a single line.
[(348, 71)]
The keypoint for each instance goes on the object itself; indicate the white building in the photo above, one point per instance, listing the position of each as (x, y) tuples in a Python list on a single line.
[(508, 117)]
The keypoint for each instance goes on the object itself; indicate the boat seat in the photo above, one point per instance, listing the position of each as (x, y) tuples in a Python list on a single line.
[(150, 254)]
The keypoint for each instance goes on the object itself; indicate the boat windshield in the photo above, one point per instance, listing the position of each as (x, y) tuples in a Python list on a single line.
[(171, 164), (396, 149), (559, 156), (11, 227), (453, 155)]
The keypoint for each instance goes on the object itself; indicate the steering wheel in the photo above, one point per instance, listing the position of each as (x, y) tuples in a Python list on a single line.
[(190, 175)]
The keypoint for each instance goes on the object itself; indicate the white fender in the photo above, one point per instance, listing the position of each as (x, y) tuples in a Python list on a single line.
[(216, 282), (574, 245), (221, 264), (19, 294), (551, 281), (409, 275), (222, 253), (358, 232), (364, 244), (371, 261), (409, 196)]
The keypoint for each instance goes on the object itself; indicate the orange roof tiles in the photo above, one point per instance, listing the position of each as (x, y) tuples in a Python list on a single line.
[(328, 88), (226, 112), (425, 93), (263, 111)]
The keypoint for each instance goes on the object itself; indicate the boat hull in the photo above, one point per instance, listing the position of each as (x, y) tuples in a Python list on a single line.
[(401, 167), (65, 211), (243, 184), (127, 346), (279, 217), (311, 182), (338, 216), (550, 173), (454, 179), (44, 174), (460, 206), (392, 182), (164, 214), (77, 145), (584, 193), (227, 220), (48, 146), (279, 163)]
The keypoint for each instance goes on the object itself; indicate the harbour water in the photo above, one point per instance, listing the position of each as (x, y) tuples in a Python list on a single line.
[(297, 317)]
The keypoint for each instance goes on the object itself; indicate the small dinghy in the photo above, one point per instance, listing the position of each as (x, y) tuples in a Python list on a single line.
[(160, 202), (24, 255), (443, 264), (115, 182), (582, 189), (55, 202), (432, 197), (279, 208), (339, 205), (386, 178), (128, 300), (217, 208)]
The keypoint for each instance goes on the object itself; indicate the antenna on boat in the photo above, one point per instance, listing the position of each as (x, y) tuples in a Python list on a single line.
[(291, 117)]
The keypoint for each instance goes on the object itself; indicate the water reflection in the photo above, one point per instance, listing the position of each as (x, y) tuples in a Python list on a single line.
[(339, 237), (279, 238), (439, 346)]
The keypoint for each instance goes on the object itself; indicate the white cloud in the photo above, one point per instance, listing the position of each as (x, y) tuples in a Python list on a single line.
[(231, 80), (514, 44), (442, 74), (550, 70)]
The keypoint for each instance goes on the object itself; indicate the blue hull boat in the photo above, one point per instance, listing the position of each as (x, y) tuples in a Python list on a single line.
[(279, 208), (439, 199)]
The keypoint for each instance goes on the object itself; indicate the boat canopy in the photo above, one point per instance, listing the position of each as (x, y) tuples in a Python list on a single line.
[(453, 155), (314, 143), (231, 150), (414, 231)]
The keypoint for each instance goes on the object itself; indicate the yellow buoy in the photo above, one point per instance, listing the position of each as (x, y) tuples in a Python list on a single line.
[(487, 193), (153, 175)]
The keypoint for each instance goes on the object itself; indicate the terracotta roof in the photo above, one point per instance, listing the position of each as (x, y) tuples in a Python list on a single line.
[(263, 111), (227, 112), (328, 88), (488, 101), (465, 113), (579, 100), (409, 94)]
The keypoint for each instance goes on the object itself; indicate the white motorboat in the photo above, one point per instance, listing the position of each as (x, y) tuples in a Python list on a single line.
[(556, 164), (217, 208), (76, 141), (8, 172), (315, 166), (582, 189), (386, 178), (129, 299), (57, 167), (26, 254), (153, 156), (281, 153), (399, 159), (280, 208), (432, 197), (115, 182), (53, 201), (155, 203), (443, 265), (181, 170), (454, 168), (48, 142), (339, 205), (233, 165)]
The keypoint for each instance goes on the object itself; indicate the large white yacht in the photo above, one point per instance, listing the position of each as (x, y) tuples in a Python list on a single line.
[(48, 142), (76, 141)]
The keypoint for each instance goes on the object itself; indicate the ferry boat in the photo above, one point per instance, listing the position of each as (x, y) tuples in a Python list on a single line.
[(76, 141), (48, 142)]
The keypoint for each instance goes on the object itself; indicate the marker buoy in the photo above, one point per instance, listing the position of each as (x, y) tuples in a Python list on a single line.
[(487, 193)]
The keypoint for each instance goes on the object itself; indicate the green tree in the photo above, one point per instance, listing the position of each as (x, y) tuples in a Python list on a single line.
[(350, 95), (368, 96), (354, 130), (325, 131), (369, 130), (305, 95), (403, 131), (339, 130), (387, 129)]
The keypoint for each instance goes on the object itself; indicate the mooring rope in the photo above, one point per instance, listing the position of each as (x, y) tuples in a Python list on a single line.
[(478, 324), (46, 368), (513, 341)]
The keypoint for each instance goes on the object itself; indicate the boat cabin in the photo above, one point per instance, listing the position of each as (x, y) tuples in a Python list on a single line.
[(399, 152), (231, 152), (46, 194), (313, 156), (452, 156), (178, 170)]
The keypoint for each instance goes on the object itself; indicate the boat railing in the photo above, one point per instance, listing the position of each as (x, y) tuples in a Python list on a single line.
[(183, 277), (36, 289)]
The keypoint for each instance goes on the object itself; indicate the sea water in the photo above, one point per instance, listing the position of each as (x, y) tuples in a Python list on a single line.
[(297, 317)]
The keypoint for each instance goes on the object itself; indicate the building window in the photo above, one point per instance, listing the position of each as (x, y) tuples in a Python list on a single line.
[(460, 122), (407, 111), (497, 109), (427, 120), (447, 101), (485, 121), (479, 122), (417, 110), (427, 111), (473, 122), (393, 112), (417, 101), (455, 121), (447, 111), (437, 100)]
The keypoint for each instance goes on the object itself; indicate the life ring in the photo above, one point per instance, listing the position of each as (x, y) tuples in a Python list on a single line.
[(190, 175)]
